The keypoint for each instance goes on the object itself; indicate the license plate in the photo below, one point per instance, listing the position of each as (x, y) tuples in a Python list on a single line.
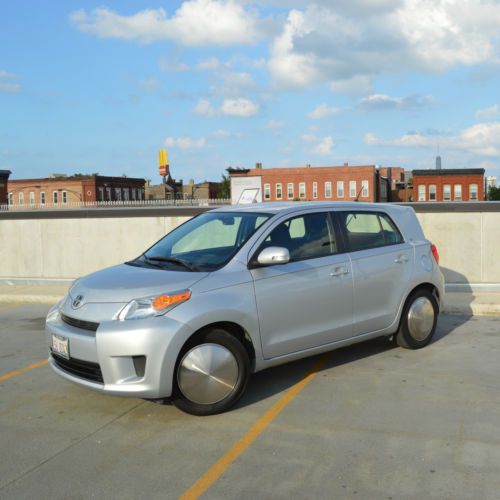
[(60, 345)]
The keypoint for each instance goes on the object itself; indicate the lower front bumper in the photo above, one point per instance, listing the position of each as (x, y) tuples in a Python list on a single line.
[(113, 351)]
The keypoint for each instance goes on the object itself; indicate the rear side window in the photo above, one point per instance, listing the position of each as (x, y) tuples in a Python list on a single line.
[(306, 236), (364, 230)]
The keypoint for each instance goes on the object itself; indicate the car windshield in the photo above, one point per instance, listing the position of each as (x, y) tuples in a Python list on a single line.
[(204, 243)]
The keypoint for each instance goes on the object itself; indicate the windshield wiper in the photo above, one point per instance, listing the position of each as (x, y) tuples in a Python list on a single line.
[(174, 260)]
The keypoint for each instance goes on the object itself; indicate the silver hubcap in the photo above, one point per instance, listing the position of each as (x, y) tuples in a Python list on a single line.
[(420, 318), (207, 373)]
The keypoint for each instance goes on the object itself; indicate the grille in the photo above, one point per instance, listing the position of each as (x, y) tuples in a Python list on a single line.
[(78, 323), (82, 369)]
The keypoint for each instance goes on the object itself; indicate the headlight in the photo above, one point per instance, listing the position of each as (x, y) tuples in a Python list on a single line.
[(156, 305)]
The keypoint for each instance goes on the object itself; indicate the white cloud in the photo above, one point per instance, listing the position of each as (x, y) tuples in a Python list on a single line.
[(382, 102), (194, 23), (481, 139), (9, 83), (239, 107), (323, 146), (322, 111), (149, 84), (353, 41), (172, 65), (185, 142), (211, 64), (486, 113), (275, 124), (229, 107), (224, 134), (355, 85), (204, 108)]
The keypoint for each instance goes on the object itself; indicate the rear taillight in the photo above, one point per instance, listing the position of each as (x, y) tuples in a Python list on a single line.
[(435, 252)]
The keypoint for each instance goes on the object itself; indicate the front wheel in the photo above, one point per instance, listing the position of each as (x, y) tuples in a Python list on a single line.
[(419, 320), (211, 374)]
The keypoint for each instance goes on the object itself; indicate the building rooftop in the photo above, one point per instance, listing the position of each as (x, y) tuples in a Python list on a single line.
[(450, 171)]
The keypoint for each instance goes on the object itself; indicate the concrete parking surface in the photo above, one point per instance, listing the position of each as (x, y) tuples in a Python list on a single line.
[(374, 422)]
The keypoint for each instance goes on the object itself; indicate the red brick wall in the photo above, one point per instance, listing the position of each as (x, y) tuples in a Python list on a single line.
[(309, 175), (465, 180)]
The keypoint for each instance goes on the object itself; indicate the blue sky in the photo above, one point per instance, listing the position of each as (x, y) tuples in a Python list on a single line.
[(87, 87)]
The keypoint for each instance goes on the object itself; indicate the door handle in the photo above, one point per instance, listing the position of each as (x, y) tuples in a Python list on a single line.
[(339, 271), (401, 259)]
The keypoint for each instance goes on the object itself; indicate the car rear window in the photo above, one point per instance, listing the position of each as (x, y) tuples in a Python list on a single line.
[(364, 230)]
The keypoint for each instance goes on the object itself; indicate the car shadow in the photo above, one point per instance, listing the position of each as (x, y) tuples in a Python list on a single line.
[(267, 383)]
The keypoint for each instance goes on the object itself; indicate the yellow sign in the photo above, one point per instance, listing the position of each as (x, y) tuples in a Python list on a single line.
[(163, 162)]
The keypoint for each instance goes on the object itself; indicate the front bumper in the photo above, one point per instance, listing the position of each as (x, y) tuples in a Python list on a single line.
[(115, 348)]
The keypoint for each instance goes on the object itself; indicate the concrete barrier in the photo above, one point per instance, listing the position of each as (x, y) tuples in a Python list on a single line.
[(54, 246)]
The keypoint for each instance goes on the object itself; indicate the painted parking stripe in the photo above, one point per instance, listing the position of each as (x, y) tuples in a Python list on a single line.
[(23, 370), (219, 467)]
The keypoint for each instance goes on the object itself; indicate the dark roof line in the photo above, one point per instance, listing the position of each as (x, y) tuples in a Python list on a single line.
[(449, 171)]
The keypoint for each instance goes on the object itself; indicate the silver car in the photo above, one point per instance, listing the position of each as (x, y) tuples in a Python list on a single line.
[(239, 289)]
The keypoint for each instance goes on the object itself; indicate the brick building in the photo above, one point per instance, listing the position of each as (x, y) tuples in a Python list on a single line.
[(61, 190), (4, 177), (201, 190), (337, 183), (451, 184)]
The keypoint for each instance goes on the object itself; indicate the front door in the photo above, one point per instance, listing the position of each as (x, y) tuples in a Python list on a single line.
[(307, 302)]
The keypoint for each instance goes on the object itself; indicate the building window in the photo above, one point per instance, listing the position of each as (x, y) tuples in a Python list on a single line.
[(352, 189), (132, 191), (473, 192), (11, 198), (315, 190), (328, 189), (364, 189), (290, 190), (421, 192), (432, 192), (100, 194), (278, 191), (55, 199), (340, 189), (108, 194), (21, 198), (118, 194), (126, 195), (457, 192), (302, 190), (447, 192), (64, 197), (32, 197), (267, 191), (42, 197)]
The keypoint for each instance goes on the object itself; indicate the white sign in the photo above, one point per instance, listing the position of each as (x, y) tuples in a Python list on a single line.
[(246, 189)]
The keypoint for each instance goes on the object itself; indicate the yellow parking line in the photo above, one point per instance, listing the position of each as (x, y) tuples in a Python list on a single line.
[(217, 469), (23, 370)]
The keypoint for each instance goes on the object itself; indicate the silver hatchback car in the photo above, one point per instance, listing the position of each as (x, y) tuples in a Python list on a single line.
[(242, 288)]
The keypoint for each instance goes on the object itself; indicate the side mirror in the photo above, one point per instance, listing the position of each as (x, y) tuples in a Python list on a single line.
[(273, 255)]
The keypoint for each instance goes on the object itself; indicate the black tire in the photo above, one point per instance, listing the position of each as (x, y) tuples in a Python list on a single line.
[(407, 336), (230, 343)]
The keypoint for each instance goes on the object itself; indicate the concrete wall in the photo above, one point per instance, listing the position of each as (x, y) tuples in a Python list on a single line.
[(67, 247)]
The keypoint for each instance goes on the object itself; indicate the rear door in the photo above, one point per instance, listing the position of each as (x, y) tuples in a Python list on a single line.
[(382, 265), (307, 302)]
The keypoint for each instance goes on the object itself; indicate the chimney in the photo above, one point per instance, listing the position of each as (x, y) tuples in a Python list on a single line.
[(258, 165), (346, 164), (308, 165)]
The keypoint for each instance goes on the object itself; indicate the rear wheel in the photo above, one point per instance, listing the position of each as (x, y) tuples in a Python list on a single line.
[(211, 374), (419, 320)]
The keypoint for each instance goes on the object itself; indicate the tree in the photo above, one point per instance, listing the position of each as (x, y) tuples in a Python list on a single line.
[(225, 187), (494, 193)]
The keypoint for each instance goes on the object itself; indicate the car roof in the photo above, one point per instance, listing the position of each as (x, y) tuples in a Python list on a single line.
[(294, 206)]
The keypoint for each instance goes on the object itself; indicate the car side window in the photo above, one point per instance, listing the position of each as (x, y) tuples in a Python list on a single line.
[(305, 236), (366, 230)]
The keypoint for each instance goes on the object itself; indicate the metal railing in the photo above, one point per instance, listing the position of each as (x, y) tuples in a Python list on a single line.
[(116, 204)]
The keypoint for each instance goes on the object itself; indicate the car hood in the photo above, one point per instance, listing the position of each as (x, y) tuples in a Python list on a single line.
[(124, 283)]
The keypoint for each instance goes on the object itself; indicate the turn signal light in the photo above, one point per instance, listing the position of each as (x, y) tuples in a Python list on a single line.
[(163, 301)]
